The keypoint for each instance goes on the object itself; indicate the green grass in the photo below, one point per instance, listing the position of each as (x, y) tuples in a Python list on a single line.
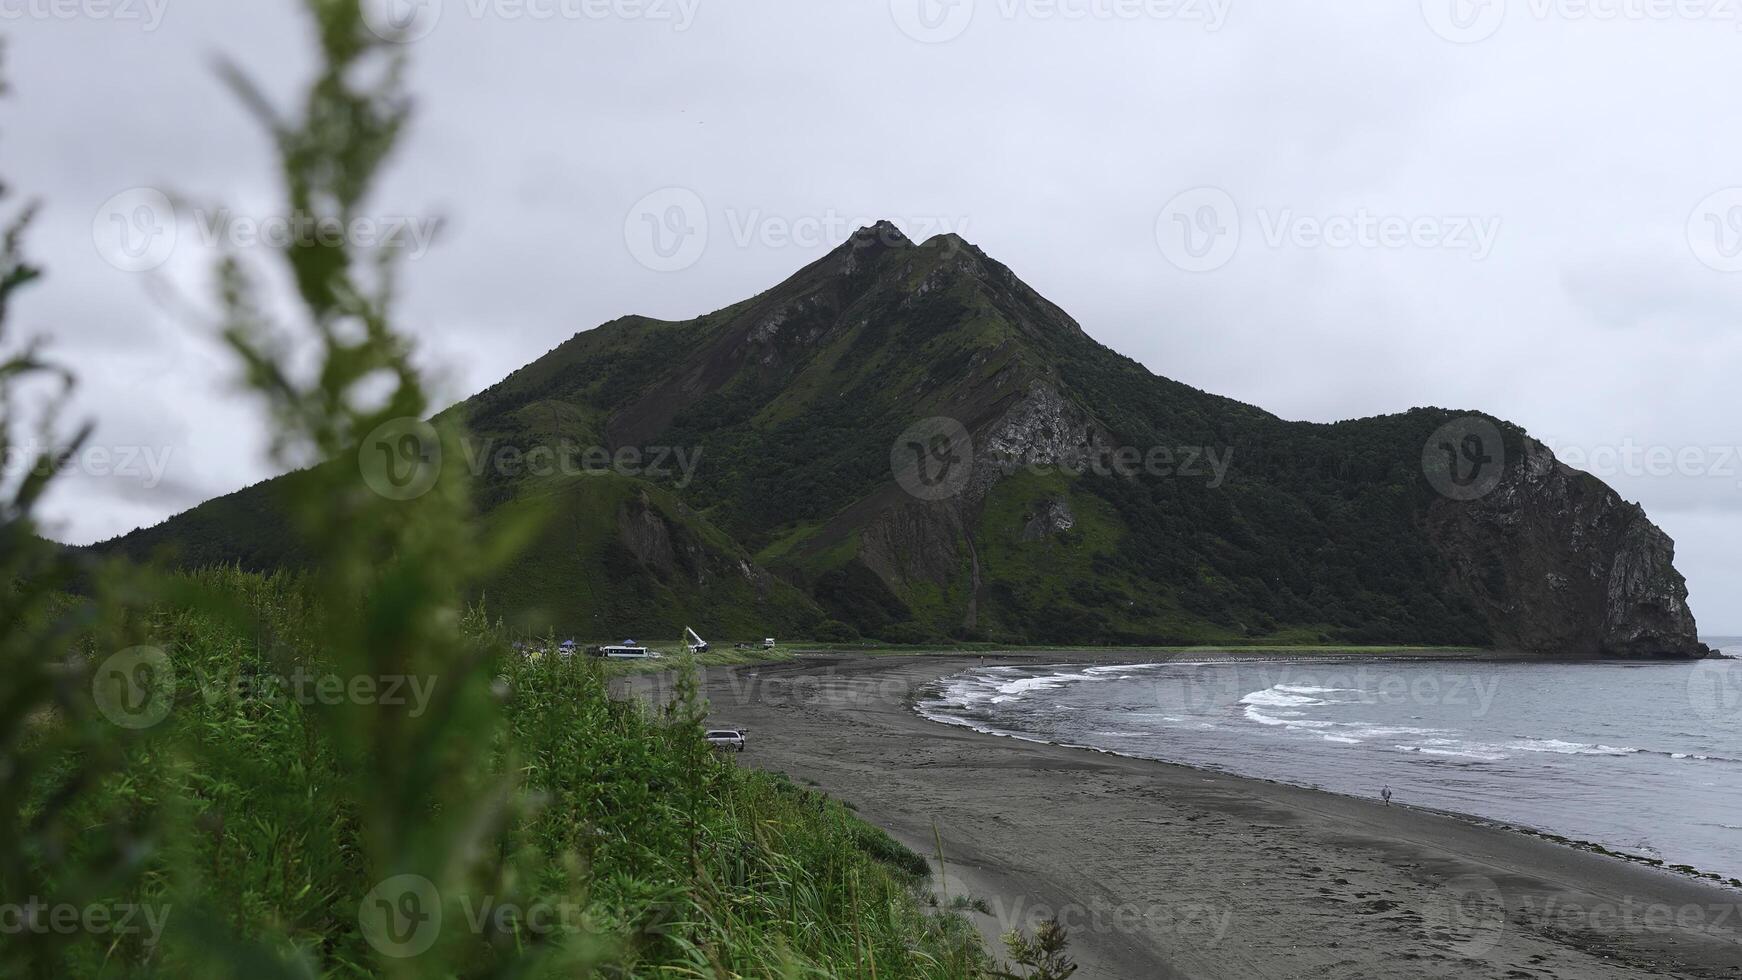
[(673, 861)]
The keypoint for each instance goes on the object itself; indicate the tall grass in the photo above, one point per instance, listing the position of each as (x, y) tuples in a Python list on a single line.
[(217, 756)]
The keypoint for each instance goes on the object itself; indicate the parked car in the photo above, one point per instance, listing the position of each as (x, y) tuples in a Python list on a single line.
[(726, 739), (768, 644)]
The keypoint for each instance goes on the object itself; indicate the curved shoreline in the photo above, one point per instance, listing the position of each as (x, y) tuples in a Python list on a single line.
[(1162, 870), (1541, 833)]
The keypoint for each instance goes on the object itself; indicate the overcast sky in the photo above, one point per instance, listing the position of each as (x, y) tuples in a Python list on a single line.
[(1335, 210)]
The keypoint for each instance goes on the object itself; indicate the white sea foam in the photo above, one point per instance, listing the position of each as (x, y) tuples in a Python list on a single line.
[(1308, 689), (1560, 747), (1283, 719), (1276, 697)]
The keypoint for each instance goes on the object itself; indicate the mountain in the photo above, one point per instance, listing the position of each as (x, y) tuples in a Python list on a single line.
[(906, 441)]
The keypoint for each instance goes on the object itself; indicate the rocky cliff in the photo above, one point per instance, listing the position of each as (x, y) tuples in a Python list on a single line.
[(1557, 562)]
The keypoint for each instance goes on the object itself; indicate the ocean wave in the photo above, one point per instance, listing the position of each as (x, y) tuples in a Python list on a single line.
[(1275, 697), (1696, 757), (1309, 689), (1472, 753), (1561, 747), (1253, 714)]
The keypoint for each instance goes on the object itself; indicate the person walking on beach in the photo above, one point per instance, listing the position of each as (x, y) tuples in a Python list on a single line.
[(1385, 794)]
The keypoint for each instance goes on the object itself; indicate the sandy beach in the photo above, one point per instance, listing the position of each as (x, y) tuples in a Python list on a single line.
[(1168, 871)]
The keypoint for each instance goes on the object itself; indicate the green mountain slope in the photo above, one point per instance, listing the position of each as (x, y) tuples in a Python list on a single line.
[(1084, 500)]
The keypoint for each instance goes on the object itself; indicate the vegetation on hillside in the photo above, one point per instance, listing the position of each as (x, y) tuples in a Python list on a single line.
[(791, 402)]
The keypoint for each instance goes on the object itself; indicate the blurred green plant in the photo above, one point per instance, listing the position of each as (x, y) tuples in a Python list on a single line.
[(349, 772), (1041, 958)]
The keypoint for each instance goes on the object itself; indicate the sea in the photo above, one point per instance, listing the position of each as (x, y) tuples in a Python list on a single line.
[(1644, 758)]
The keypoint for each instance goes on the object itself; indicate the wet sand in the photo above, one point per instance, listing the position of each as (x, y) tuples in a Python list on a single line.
[(1167, 871)]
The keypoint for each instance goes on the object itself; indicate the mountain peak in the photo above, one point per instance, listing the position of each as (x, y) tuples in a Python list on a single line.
[(882, 233), (862, 247)]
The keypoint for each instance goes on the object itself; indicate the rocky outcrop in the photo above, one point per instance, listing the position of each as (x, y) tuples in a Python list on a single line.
[(1054, 518), (1558, 563)]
